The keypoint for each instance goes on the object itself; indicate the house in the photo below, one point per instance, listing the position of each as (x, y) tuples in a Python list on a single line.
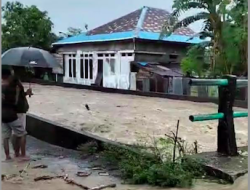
[(103, 56)]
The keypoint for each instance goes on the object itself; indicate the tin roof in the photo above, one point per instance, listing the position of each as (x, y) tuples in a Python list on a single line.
[(158, 69), (145, 23)]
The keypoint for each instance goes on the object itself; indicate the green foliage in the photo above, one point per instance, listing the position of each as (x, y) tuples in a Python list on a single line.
[(226, 27), (26, 26), (74, 31), (194, 63), (89, 148), (139, 167)]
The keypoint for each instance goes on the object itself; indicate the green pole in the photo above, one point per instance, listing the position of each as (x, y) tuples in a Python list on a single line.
[(242, 83), (240, 114), (215, 116), (208, 82)]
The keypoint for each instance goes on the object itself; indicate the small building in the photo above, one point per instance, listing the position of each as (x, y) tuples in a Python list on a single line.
[(103, 56)]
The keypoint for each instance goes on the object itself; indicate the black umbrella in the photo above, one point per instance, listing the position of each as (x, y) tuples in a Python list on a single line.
[(29, 57)]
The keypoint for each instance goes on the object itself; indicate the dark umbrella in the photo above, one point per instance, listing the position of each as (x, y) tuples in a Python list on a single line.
[(29, 57)]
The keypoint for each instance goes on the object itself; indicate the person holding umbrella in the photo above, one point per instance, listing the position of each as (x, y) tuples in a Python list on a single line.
[(13, 118)]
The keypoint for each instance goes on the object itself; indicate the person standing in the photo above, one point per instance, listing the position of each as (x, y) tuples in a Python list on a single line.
[(22, 108), (11, 124)]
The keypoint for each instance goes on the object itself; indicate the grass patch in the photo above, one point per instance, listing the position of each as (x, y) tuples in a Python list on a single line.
[(165, 163), (142, 167)]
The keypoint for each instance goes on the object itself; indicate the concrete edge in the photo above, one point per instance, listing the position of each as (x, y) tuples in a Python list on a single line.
[(66, 137)]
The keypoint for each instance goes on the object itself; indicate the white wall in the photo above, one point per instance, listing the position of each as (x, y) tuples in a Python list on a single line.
[(118, 77), (78, 79)]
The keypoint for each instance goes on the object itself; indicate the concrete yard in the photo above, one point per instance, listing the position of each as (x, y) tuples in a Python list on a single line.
[(128, 118)]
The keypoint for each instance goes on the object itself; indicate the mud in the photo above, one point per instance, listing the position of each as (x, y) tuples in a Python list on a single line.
[(62, 161)]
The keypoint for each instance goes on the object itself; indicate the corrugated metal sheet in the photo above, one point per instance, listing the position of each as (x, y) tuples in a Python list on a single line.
[(126, 35), (158, 69)]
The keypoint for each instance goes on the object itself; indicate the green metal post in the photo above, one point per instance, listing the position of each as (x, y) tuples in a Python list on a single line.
[(240, 114), (215, 116), (241, 83), (206, 117), (208, 82)]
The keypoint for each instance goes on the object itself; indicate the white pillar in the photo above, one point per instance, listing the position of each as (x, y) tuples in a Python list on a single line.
[(78, 62)]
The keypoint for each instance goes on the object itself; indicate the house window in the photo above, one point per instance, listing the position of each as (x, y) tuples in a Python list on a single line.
[(70, 67), (82, 67), (86, 68), (112, 66), (127, 54), (74, 67), (91, 68)]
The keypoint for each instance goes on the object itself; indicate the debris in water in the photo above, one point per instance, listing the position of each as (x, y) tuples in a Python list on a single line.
[(103, 174), (72, 182), (46, 177), (83, 174), (40, 166), (87, 107), (24, 170), (96, 168), (103, 187)]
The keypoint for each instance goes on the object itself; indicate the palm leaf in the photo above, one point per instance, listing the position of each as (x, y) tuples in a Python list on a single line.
[(191, 19), (184, 5), (168, 25), (205, 44), (207, 26), (202, 35)]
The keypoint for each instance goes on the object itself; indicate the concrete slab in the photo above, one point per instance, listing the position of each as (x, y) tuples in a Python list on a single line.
[(224, 167)]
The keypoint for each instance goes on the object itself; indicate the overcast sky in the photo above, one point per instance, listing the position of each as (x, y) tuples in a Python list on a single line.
[(75, 13)]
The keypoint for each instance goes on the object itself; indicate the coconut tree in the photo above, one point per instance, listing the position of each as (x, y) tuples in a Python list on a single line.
[(213, 12), (238, 19)]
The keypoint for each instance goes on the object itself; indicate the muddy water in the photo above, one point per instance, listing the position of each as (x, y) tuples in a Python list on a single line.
[(62, 161), (129, 119)]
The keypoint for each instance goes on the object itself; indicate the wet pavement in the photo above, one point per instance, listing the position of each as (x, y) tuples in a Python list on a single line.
[(61, 161)]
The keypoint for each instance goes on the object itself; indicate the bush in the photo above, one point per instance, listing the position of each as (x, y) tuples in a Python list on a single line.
[(141, 168)]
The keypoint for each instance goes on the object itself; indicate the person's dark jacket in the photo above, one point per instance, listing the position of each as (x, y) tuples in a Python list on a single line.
[(13, 101), (9, 101)]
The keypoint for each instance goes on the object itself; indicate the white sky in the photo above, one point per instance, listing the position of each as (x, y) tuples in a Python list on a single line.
[(75, 13)]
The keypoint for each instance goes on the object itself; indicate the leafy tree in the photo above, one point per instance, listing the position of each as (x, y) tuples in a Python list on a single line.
[(239, 24), (71, 32), (26, 26), (226, 27), (195, 63), (212, 12), (74, 31)]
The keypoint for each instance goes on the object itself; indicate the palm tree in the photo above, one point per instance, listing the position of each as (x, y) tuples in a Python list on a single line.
[(212, 12)]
